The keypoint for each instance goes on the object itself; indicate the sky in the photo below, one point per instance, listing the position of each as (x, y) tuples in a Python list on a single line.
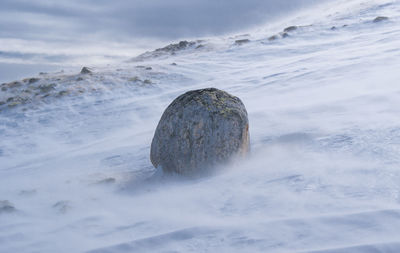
[(49, 33), (135, 18)]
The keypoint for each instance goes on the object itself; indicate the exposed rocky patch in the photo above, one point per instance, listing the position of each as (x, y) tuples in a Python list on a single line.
[(144, 67), (176, 47), (86, 70), (284, 35), (27, 91), (139, 81), (199, 130), (380, 19), (32, 80), (273, 37), (171, 49), (31, 92), (6, 207), (241, 42), (290, 29), (147, 81)]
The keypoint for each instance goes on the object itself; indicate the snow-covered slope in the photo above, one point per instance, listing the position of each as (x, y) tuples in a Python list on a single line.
[(324, 173)]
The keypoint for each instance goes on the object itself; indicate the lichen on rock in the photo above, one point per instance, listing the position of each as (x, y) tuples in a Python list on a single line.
[(199, 130)]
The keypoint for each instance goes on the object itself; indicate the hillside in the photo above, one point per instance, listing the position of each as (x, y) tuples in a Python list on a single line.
[(323, 101)]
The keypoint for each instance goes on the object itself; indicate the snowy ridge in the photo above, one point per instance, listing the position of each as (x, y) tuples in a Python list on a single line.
[(323, 106)]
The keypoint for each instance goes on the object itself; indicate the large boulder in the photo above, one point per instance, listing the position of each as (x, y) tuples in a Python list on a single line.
[(198, 130)]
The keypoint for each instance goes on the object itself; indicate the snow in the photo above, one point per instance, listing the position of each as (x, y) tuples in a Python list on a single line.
[(324, 171)]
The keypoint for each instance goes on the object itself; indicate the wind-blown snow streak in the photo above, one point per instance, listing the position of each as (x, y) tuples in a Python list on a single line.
[(323, 107)]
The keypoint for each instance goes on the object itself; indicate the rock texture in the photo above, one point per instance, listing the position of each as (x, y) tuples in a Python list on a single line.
[(380, 18), (198, 130)]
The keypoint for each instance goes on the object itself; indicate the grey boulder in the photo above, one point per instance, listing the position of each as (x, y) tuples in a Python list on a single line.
[(199, 130)]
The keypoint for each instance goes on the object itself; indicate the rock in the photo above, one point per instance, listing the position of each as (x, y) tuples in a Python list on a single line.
[(285, 35), (171, 49), (33, 80), (14, 84), (241, 42), (6, 207), (17, 100), (380, 18), (174, 64), (333, 28), (183, 44), (44, 88), (149, 68), (198, 130), (273, 37), (290, 29), (147, 81), (176, 47), (62, 93), (86, 70)]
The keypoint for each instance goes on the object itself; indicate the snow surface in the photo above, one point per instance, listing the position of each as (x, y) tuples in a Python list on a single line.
[(324, 173)]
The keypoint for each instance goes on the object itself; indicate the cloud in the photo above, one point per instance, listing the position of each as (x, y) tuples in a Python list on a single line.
[(122, 19)]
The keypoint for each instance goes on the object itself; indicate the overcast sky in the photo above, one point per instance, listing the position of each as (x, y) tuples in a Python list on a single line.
[(122, 19)]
